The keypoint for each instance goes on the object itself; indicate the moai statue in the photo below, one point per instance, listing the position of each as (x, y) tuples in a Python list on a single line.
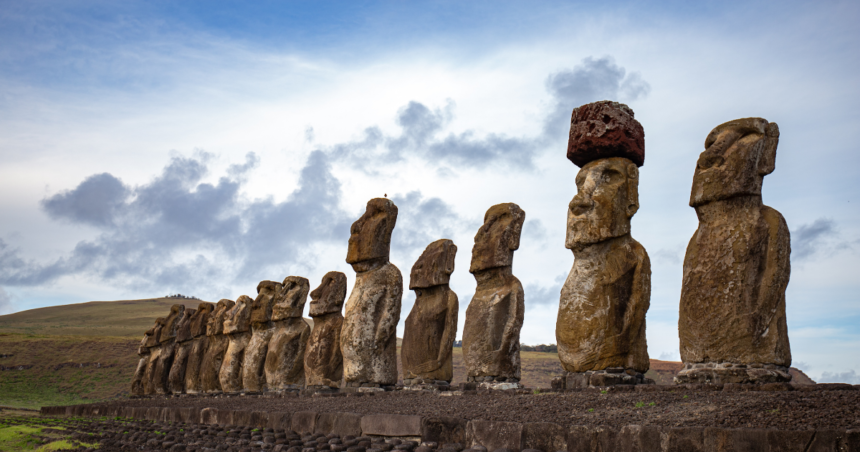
[(601, 314), (368, 340), (199, 344), (166, 349), (491, 334), (176, 377), (217, 345), (237, 327), (137, 381), (431, 326), (323, 359), (153, 346), (253, 377), (285, 360), (732, 317)]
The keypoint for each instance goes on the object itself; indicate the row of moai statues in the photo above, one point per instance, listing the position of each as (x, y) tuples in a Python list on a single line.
[(732, 315)]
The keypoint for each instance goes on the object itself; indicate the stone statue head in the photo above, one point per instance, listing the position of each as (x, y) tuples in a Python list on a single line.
[(183, 329), (370, 235), (261, 308), (215, 325), (607, 198), (329, 296), (239, 317), (171, 323), (150, 337), (200, 319), (435, 265), (291, 298), (498, 238), (738, 154)]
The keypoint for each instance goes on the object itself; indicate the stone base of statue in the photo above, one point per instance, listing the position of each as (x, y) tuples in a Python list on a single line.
[(356, 386), (721, 373), (425, 384), (613, 376), (495, 383)]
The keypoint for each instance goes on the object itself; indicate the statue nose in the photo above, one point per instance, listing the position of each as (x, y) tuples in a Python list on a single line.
[(579, 205)]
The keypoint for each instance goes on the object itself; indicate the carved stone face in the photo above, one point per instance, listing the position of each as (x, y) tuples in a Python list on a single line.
[(168, 332), (153, 336), (239, 317), (737, 156), (329, 296), (215, 326), (261, 308), (435, 265), (200, 319), (183, 329), (370, 235), (607, 197), (291, 298), (498, 238)]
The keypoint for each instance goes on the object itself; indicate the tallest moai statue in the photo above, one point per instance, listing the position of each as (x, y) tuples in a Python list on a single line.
[(732, 316), (601, 313)]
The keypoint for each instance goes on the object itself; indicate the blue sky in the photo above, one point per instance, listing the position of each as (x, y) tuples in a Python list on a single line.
[(200, 147)]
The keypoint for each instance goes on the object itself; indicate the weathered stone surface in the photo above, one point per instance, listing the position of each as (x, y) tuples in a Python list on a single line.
[(391, 425), (340, 424), (285, 359), (737, 264), (323, 358), (199, 343), (138, 385), (304, 421), (602, 130), (166, 349), (444, 430), (216, 346), (431, 326), (176, 378), (544, 436), (237, 327), (491, 334), (601, 314), (494, 434), (368, 340), (262, 329)]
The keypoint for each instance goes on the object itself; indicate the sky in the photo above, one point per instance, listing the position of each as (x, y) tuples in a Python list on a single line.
[(159, 147)]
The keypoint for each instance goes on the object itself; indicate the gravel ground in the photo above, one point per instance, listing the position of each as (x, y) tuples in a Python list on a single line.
[(783, 407)]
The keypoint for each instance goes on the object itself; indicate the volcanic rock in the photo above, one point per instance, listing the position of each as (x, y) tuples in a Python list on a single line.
[(237, 326), (605, 129), (431, 326), (736, 270), (216, 348), (368, 340), (199, 343), (491, 334), (284, 365), (323, 358)]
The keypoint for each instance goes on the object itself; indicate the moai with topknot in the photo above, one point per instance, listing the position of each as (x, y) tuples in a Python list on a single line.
[(182, 349), (600, 329), (199, 344), (431, 327), (285, 360), (732, 322), (491, 334), (218, 342), (369, 340), (323, 358), (138, 386), (166, 349), (237, 327)]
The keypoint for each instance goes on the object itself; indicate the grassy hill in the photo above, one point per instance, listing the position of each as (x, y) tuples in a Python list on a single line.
[(87, 352)]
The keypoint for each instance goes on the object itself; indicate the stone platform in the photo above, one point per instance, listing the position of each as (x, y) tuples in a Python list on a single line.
[(774, 417)]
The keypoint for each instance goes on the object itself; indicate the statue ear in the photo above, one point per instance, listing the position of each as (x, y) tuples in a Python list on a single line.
[(767, 160), (450, 254), (632, 190)]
